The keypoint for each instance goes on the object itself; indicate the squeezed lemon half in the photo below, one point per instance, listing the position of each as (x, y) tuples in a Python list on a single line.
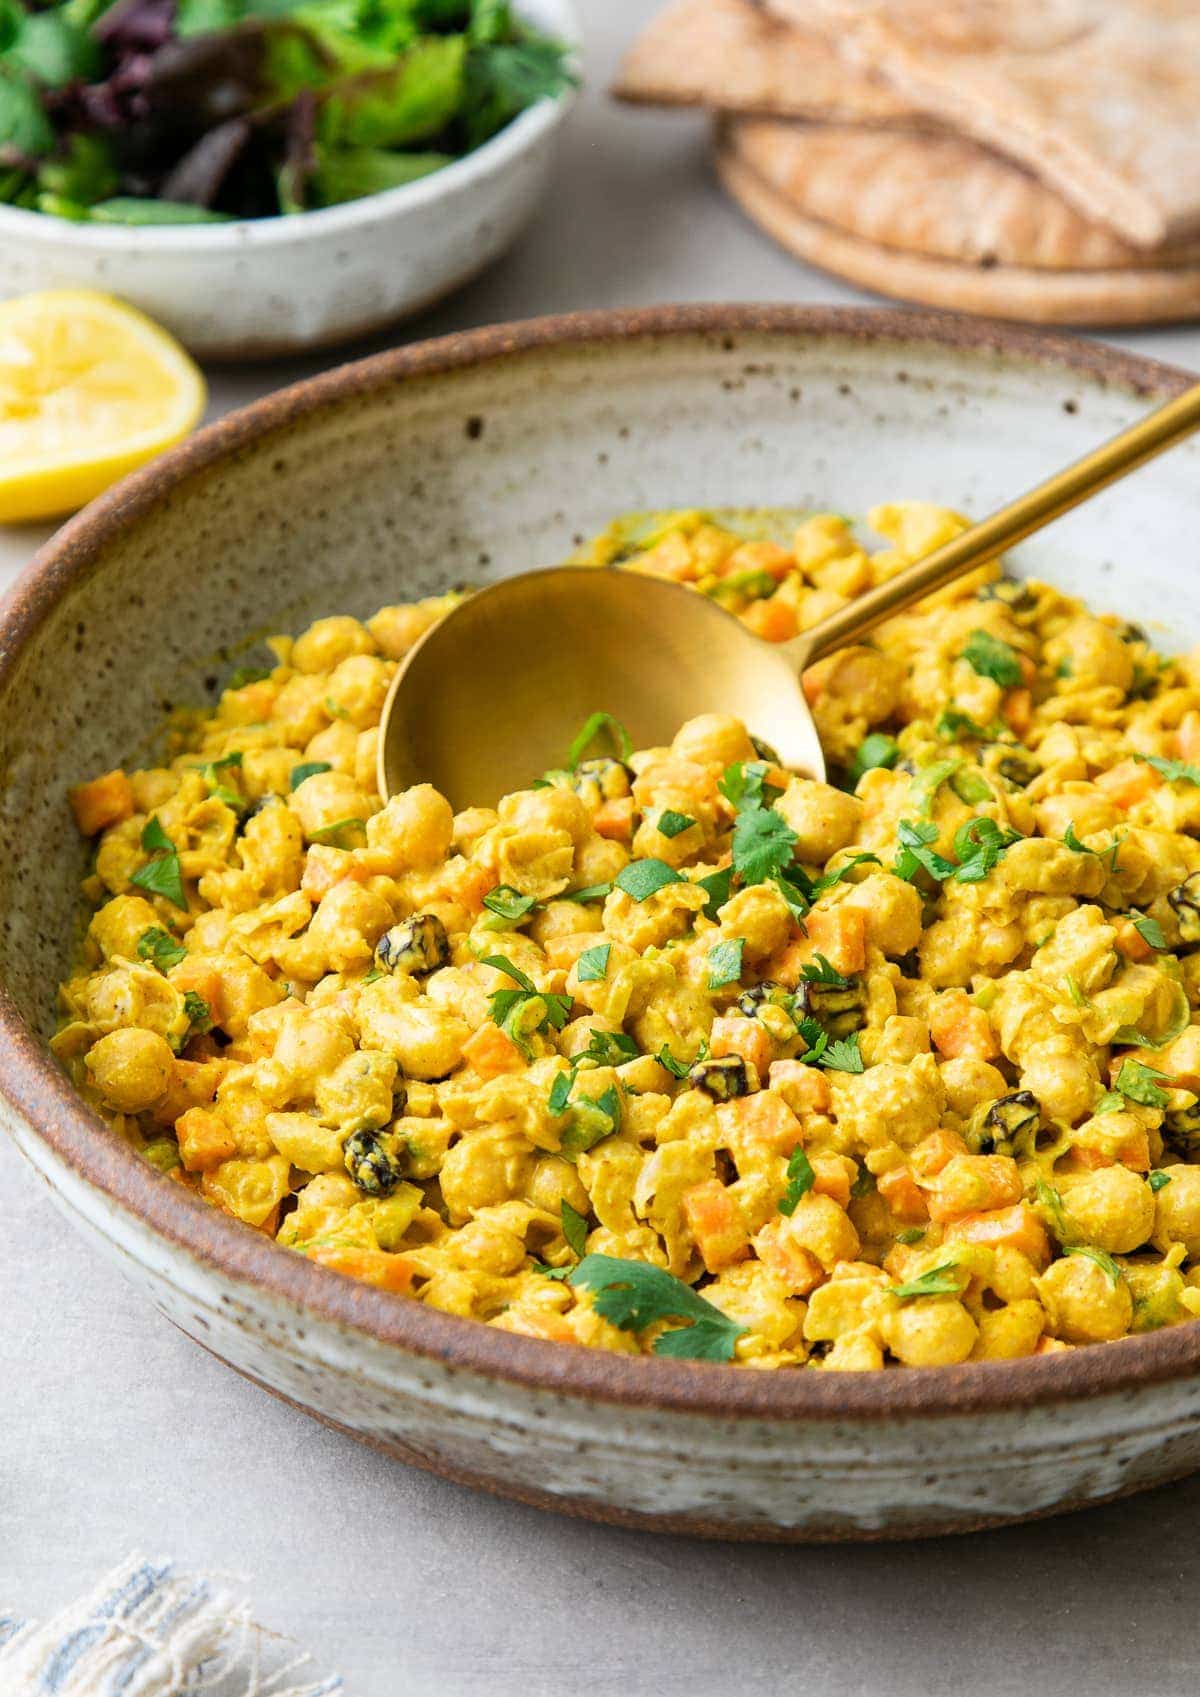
[(89, 389)]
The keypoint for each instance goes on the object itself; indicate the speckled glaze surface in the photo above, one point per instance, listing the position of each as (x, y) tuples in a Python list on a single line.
[(257, 289), (461, 460)]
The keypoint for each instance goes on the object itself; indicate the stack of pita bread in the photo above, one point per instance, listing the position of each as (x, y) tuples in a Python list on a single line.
[(1031, 159)]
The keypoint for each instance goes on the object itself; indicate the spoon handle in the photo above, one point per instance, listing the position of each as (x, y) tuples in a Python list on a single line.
[(1161, 429)]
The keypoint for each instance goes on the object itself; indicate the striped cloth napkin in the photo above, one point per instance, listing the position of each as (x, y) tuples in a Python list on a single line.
[(148, 1631)]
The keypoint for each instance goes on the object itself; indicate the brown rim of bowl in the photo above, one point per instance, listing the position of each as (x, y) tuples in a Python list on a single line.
[(40, 1092)]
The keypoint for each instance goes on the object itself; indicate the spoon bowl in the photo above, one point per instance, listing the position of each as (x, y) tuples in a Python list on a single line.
[(493, 695)]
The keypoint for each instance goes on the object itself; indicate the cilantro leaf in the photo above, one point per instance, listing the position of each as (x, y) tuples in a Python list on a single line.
[(725, 963), (522, 1012), (162, 875), (1053, 1212), (991, 658), (801, 1178), (308, 769), (599, 724), (797, 897), (916, 855), (922, 792), (744, 784), (574, 1228), (677, 1069), (979, 843), (1109, 854), (609, 1049), (953, 723), (819, 971), (243, 675), (560, 1092), (159, 946), (501, 963), (642, 878), (1112, 1102), (1158, 1180), (343, 833), (718, 886), (589, 893), (198, 1013), (1140, 1083), (592, 1119), (672, 824), (1149, 930), (828, 880), (842, 1055), (763, 844), (633, 1295), (815, 1039), (910, 1235), (935, 1281), (592, 965), (1174, 771), (1100, 1256), (508, 904)]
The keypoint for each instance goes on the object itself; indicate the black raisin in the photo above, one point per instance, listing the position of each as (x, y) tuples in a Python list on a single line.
[(418, 945), (722, 1079), (372, 1162)]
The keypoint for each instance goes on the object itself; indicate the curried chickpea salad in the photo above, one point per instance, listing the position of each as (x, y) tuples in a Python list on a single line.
[(675, 1052)]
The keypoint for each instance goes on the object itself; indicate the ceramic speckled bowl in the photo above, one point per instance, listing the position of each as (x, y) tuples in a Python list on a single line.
[(258, 288), (468, 458)]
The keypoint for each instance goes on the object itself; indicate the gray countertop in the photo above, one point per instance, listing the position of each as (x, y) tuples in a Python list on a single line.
[(116, 1433)]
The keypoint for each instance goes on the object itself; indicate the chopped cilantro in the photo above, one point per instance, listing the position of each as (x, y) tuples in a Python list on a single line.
[(916, 855), (589, 893), (1112, 1102), (910, 1235), (1109, 854), (934, 1281), (243, 675), (159, 946), (1141, 1084), (633, 1295), (979, 844), (560, 1092), (744, 784), (574, 1228), (842, 1055), (725, 963), (1149, 930), (877, 750), (827, 880), (672, 824), (599, 724), (343, 833), (560, 1273), (198, 1013), (763, 844), (521, 1012), (592, 965), (1174, 771), (162, 874), (1100, 1256), (718, 886), (800, 1177), (991, 658), (1051, 1203), (819, 971), (922, 792), (1158, 1180), (592, 1119), (642, 878), (815, 1039), (953, 723), (507, 904), (676, 1068), (798, 899), (308, 769), (609, 1049)]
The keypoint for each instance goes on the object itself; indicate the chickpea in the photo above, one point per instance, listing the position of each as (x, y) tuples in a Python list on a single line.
[(930, 1331), (713, 739), (327, 798), (818, 1224), (555, 1181), (891, 910), (969, 1082), (357, 687), (132, 1069), (1062, 1076), (413, 832), (761, 917), (1094, 652), (1083, 1303), (482, 1169), (328, 642), (1113, 1208), (119, 924), (824, 819), (1177, 1211)]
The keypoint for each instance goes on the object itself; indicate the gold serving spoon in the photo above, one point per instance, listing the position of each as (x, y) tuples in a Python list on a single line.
[(494, 693)]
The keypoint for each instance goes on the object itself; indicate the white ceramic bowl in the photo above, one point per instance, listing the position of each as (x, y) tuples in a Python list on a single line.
[(263, 287), (468, 458)]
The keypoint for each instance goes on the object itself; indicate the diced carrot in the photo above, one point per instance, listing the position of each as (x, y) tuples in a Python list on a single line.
[(1133, 1153), (491, 1051), (960, 1029), (1130, 941), (970, 1184), (773, 620), (1187, 737), (832, 1176), (204, 1140), (1128, 782), (563, 952), (204, 980), (672, 557), (903, 1195), (1017, 1227), (193, 1085), (614, 819), (252, 703), (324, 866), (932, 1153), (1028, 670), (733, 1034), (716, 1224), (795, 1266), (271, 1224), (762, 1121), (813, 683), (770, 557), (1018, 710), (373, 1266), (838, 933), (467, 884), (805, 1089), (103, 802)]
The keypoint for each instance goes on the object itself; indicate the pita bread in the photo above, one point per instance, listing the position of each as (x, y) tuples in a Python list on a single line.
[(936, 195), (1098, 97), (733, 56), (1149, 296)]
